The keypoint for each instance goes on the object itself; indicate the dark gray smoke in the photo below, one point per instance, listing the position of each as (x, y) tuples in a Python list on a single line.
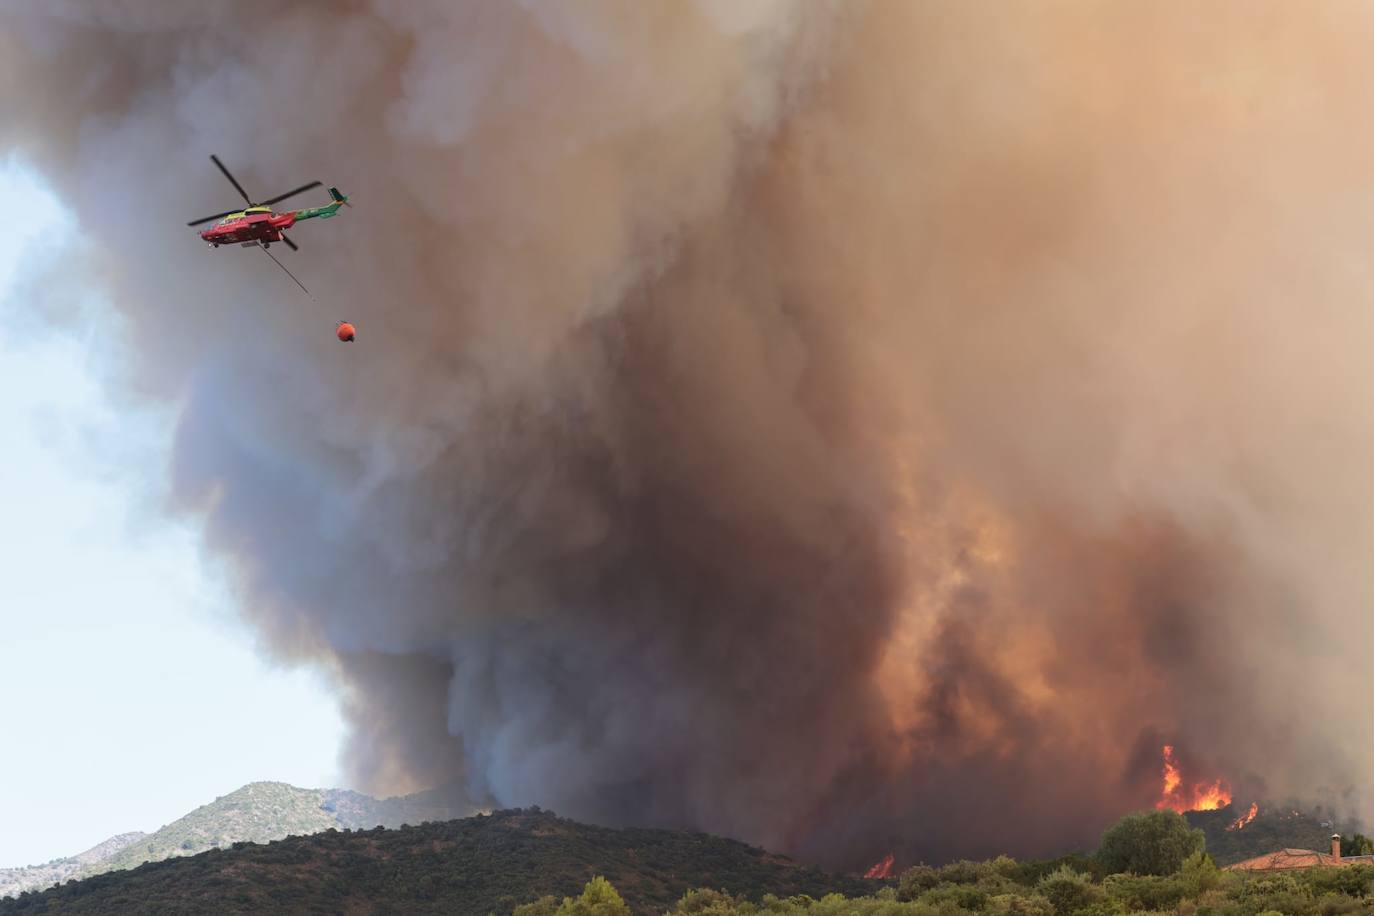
[(850, 427)]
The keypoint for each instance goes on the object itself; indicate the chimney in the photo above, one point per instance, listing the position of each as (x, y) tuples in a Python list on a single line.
[(1336, 847)]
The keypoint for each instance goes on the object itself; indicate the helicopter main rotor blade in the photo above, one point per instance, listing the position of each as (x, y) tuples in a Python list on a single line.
[(238, 187), (264, 250), (281, 197), (208, 218), (290, 244)]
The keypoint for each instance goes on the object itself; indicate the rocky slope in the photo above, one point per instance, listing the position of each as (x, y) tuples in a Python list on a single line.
[(256, 813), (15, 881)]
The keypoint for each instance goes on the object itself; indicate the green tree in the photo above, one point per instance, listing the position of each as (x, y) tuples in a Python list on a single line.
[(598, 899), (1357, 845), (1199, 874), (1149, 843), (544, 906)]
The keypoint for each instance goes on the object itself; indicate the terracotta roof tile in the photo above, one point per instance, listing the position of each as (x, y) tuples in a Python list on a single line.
[(1293, 858)]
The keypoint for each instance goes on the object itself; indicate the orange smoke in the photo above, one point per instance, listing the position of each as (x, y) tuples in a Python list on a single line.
[(1246, 818), (881, 869), (1201, 796)]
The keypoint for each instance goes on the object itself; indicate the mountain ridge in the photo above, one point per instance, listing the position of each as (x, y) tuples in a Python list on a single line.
[(489, 863), (258, 812), (22, 878)]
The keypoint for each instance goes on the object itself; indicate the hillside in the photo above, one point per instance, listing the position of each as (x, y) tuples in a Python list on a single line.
[(264, 811), (257, 813), (508, 856), (1274, 827), (358, 812), (488, 863), (36, 877)]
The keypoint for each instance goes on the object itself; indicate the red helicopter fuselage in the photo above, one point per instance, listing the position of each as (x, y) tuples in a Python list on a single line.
[(257, 224)]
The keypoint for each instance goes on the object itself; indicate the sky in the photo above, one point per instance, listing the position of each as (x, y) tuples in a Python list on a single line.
[(129, 691)]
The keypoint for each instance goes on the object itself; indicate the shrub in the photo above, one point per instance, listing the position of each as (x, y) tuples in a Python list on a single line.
[(964, 872), (1146, 892), (916, 880), (1018, 905), (711, 903), (1337, 905), (1105, 908), (1283, 892), (1029, 874), (1068, 890), (962, 896), (1354, 880)]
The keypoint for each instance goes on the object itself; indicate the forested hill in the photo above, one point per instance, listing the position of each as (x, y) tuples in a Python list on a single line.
[(476, 865), (1274, 827)]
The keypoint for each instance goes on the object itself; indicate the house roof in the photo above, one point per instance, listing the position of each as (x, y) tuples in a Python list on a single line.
[(1291, 858)]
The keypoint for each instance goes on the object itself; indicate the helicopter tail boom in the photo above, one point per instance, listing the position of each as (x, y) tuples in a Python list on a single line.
[(337, 200)]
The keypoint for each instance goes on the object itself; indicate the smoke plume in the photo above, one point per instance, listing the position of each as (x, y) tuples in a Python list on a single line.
[(850, 427)]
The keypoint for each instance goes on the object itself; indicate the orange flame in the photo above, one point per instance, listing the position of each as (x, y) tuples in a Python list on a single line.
[(1171, 777), (1202, 796), (1246, 818), (881, 869)]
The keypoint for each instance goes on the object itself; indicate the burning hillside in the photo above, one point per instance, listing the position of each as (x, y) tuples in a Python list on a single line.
[(1240, 822), (1178, 794), (1262, 827), (881, 869)]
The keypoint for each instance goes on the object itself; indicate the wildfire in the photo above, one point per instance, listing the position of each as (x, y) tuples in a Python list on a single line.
[(881, 869), (1246, 818), (1201, 796)]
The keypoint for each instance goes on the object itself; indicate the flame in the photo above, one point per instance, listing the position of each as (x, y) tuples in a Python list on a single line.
[(1171, 776), (1202, 796), (881, 869), (1246, 818)]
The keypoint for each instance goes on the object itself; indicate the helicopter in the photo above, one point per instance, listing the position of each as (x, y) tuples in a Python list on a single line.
[(258, 226)]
